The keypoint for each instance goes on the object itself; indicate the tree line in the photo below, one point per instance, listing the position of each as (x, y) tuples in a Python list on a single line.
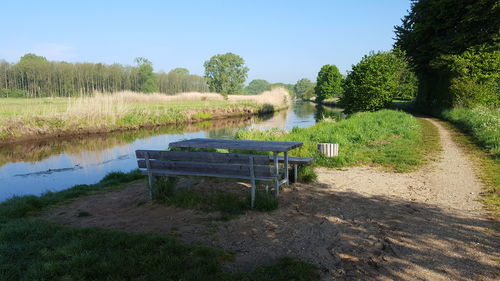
[(35, 76)]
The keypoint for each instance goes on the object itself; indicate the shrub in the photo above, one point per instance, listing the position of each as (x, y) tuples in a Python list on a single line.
[(375, 81)]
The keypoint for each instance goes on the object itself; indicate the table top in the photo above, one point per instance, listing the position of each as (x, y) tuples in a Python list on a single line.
[(274, 146)]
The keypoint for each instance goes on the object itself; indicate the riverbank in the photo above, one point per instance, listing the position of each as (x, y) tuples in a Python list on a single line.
[(26, 119), (361, 223)]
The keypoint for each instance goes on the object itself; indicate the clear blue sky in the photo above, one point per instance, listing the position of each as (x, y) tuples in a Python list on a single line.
[(281, 41)]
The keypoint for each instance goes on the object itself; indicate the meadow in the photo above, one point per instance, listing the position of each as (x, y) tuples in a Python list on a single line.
[(32, 118), (387, 138)]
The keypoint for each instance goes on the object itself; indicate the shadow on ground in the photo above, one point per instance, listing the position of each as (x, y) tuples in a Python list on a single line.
[(348, 235)]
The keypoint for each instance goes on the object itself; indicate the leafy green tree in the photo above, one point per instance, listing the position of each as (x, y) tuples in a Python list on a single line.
[(226, 73), (434, 30), (179, 71), (372, 83), (146, 78), (328, 83), (301, 87), (257, 86)]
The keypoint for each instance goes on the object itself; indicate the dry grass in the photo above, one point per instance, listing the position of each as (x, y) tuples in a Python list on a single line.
[(102, 112)]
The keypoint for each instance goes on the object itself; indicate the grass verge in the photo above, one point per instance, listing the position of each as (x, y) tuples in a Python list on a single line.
[(387, 138), (36, 250), (22, 206)]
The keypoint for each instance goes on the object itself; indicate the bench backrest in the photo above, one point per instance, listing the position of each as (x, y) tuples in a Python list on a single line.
[(234, 164)]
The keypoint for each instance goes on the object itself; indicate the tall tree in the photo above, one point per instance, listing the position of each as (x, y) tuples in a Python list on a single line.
[(328, 83), (226, 73), (179, 71), (372, 83), (146, 79), (301, 88), (257, 86), (436, 29)]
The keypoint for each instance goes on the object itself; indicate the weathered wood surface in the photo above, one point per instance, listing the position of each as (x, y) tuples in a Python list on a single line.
[(293, 160), (274, 146), (198, 174), (211, 168), (210, 157)]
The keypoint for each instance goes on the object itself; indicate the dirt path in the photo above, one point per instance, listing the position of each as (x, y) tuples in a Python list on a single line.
[(355, 224)]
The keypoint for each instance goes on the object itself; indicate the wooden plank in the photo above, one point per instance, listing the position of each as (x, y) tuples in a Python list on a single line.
[(213, 168), (293, 160), (274, 146), (197, 174), (212, 157)]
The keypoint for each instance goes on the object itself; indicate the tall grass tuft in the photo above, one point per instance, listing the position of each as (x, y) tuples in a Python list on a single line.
[(482, 123)]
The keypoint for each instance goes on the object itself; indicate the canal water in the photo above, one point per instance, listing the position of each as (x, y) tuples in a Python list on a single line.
[(54, 164)]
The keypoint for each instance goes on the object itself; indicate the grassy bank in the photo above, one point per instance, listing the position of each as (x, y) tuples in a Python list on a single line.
[(482, 124), (33, 118), (387, 138), (32, 249)]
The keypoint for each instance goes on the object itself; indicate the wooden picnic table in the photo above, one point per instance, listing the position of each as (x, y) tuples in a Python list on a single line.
[(275, 147)]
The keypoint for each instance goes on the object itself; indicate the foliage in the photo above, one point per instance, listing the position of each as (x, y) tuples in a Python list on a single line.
[(145, 76), (179, 71), (473, 77), (304, 89), (433, 31), (407, 82), (328, 83), (373, 83), (34, 76), (257, 86), (482, 124), (388, 138), (226, 73)]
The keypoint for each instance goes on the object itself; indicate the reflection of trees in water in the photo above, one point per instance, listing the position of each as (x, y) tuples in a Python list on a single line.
[(304, 109), (90, 148), (335, 113), (278, 120)]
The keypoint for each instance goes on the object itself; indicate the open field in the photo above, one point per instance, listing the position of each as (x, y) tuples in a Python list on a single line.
[(33, 118)]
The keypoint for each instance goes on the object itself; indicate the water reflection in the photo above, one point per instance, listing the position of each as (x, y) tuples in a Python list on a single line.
[(55, 164)]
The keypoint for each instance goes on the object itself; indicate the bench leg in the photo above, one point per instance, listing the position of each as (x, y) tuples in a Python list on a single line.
[(295, 173), (286, 168), (252, 193), (150, 182), (277, 172)]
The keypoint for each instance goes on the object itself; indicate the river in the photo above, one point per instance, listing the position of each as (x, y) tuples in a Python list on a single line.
[(36, 167)]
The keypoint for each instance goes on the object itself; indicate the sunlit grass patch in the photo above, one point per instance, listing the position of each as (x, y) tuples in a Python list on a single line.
[(387, 138)]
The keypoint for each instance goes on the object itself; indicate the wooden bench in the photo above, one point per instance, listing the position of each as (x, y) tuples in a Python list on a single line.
[(295, 161), (207, 164)]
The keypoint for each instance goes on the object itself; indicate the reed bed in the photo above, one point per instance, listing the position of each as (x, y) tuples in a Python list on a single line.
[(102, 112)]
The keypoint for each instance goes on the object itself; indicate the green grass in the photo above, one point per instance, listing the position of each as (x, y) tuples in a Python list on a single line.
[(482, 124), (22, 206), (32, 249), (36, 250), (387, 138), (229, 205)]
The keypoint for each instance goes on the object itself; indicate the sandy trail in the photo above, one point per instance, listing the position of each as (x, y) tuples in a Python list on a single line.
[(355, 224)]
